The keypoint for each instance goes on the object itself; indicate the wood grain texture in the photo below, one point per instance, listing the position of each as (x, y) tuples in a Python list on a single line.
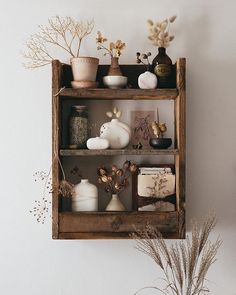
[(151, 152), (116, 222), (56, 84), (120, 94), (180, 114)]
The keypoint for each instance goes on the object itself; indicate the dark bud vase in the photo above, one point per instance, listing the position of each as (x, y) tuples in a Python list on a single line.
[(162, 67)]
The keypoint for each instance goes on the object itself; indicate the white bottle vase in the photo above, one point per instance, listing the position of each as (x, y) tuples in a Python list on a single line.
[(117, 133), (115, 204), (84, 197)]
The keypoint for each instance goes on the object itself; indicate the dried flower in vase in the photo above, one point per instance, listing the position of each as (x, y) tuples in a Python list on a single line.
[(158, 128), (142, 57), (64, 33), (115, 179), (185, 263), (114, 113), (160, 32), (114, 49)]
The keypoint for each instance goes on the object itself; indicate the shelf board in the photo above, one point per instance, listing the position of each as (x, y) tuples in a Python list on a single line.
[(97, 225), (110, 152), (119, 94)]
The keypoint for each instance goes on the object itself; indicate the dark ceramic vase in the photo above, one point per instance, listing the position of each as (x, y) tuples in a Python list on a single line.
[(160, 143)]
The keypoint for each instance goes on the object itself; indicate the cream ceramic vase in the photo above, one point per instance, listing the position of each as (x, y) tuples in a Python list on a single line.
[(84, 197), (115, 204), (84, 68), (117, 133)]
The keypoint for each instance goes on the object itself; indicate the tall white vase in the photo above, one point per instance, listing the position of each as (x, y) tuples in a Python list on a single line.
[(115, 204), (84, 197), (117, 133)]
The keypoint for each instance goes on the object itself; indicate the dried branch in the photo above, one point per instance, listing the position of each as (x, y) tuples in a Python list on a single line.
[(64, 33)]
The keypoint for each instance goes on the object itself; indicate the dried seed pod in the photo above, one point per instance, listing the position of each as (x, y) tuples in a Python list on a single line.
[(109, 178), (109, 114), (102, 171), (138, 54), (173, 18), (114, 168), (117, 186), (99, 180), (104, 178), (119, 172), (132, 168), (144, 56), (115, 110), (118, 114), (126, 164), (150, 22)]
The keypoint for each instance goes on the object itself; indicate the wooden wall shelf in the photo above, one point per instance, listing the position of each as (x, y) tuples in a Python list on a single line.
[(113, 225)]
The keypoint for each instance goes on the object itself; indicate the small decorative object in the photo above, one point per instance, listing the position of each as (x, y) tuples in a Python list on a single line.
[(78, 126), (147, 80), (160, 37), (115, 181), (155, 189), (97, 143), (67, 34), (184, 263), (159, 129), (114, 50), (84, 197), (140, 127), (117, 133)]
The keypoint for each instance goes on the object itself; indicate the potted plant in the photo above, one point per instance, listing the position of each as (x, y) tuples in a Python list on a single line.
[(114, 79), (66, 34)]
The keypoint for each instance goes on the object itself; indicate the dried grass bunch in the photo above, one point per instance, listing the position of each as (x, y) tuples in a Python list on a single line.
[(159, 32), (185, 263), (114, 49), (62, 32), (116, 179)]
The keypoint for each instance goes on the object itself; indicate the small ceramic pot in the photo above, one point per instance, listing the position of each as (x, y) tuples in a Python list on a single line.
[(115, 204), (115, 82), (147, 80), (97, 143), (84, 68), (160, 143), (117, 133)]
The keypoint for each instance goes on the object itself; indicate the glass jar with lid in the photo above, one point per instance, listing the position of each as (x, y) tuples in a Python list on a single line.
[(78, 124)]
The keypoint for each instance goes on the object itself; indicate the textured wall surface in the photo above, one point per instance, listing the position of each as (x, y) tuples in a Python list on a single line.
[(30, 262)]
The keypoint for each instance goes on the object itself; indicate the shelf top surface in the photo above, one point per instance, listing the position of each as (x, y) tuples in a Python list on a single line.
[(110, 152), (117, 94)]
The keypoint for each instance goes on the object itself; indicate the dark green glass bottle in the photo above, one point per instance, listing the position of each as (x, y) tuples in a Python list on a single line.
[(162, 66)]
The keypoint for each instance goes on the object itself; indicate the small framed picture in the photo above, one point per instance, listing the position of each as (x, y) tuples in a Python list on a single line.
[(154, 188), (141, 126)]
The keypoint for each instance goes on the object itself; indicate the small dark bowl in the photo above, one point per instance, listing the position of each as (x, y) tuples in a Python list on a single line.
[(160, 143)]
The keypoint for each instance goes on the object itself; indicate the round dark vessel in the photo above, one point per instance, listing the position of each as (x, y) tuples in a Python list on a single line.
[(160, 143)]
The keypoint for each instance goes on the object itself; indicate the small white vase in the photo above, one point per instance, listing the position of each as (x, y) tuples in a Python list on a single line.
[(117, 133), (84, 197), (115, 204), (147, 80), (84, 68)]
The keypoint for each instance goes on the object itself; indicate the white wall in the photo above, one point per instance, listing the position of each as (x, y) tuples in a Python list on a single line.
[(32, 263)]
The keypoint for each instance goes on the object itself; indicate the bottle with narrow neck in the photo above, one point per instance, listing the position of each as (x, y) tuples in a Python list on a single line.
[(162, 65)]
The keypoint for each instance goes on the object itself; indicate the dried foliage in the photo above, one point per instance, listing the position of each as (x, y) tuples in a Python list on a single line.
[(159, 32), (114, 49), (115, 113), (116, 180), (184, 263), (64, 33), (144, 59)]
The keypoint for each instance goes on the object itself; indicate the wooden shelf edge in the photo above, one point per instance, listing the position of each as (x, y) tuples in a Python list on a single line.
[(119, 94), (109, 152)]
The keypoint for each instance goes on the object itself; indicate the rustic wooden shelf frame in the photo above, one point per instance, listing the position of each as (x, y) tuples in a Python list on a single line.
[(113, 225)]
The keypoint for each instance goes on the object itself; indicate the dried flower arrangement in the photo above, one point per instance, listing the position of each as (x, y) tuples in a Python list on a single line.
[(184, 264), (159, 32), (114, 49), (114, 113), (144, 56), (158, 128), (116, 179), (62, 32)]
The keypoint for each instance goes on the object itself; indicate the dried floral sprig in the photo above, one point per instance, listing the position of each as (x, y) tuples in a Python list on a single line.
[(141, 57), (185, 263), (114, 49), (64, 33), (158, 128), (159, 32), (116, 179), (114, 113)]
